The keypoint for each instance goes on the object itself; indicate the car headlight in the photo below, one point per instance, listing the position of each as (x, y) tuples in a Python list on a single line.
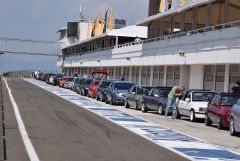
[(202, 109)]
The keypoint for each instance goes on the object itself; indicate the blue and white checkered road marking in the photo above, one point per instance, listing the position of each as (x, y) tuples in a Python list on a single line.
[(181, 144)]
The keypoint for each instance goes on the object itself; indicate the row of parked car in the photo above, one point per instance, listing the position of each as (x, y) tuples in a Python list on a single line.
[(221, 109)]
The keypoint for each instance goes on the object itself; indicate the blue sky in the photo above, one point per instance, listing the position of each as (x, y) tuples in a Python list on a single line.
[(39, 19)]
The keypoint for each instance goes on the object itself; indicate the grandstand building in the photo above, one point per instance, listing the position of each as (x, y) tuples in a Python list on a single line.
[(195, 43)]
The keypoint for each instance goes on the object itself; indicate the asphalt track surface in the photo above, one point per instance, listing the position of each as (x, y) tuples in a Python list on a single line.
[(61, 131)]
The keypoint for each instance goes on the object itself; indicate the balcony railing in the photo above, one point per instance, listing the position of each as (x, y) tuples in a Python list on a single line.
[(167, 37)]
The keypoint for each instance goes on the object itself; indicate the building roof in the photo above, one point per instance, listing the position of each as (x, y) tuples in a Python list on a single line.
[(129, 31), (188, 4), (61, 29)]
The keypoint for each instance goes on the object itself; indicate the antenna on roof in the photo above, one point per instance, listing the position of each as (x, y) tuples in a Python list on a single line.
[(81, 14)]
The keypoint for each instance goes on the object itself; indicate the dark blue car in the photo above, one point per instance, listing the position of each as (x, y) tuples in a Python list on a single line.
[(84, 86), (76, 83), (102, 89), (117, 92), (156, 100)]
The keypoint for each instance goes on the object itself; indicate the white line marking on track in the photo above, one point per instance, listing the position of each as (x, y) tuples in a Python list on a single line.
[(27, 142)]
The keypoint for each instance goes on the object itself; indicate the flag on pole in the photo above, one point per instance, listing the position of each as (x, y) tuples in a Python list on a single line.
[(105, 22), (161, 7), (110, 25), (96, 27), (93, 28), (181, 2)]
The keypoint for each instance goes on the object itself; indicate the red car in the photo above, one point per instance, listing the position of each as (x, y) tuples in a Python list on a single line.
[(62, 81), (219, 111), (100, 74), (92, 89)]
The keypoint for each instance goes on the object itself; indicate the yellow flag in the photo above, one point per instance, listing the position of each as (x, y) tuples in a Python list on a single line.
[(161, 6), (93, 26), (110, 25), (88, 31), (102, 23), (96, 28), (181, 2)]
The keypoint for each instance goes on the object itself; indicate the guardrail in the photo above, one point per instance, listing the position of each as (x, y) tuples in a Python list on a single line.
[(187, 33), (17, 74)]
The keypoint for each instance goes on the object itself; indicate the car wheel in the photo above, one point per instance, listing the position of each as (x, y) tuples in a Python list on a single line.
[(102, 99), (111, 102), (208, 122), (97, 98), (136, 106), (192, 116), (232, 128), (219, 123), (178, 114), (160, 110), (144, 108), (126, 104), (106, 100)]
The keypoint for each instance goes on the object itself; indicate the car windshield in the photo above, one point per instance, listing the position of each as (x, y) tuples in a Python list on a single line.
[(142, 90), (76, 80), (164, 91), (123, 86), (81, 81), (106, 84), (59, 76), (88, 81), (229, 100), (203, 96), (70, 79)]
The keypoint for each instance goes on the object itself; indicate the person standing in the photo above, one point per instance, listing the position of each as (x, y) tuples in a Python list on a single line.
[(176, 91), (236, 88)]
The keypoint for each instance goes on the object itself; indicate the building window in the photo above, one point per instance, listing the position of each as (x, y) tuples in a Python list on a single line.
[(233, 10), (217, 16)]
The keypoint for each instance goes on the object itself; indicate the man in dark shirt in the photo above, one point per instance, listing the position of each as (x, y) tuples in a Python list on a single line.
[(236, 88)]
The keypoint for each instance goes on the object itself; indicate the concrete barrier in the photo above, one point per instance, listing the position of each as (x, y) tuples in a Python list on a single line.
[(18, 74)]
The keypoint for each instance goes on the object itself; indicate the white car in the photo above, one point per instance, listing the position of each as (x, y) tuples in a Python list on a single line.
[(194, 104)]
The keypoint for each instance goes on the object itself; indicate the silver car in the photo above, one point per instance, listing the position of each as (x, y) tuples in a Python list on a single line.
[(235, 119), (69, 83)]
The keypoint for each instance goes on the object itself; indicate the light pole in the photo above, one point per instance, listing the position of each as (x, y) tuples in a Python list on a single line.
[(1, 53)]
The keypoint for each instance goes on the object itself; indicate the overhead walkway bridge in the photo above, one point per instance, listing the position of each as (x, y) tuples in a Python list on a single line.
[(30, 47)]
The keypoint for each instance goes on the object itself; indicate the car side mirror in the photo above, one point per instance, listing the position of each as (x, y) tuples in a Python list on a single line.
[(156, 95), (187, 99), (238, 102), (215, 103), (133, 93)]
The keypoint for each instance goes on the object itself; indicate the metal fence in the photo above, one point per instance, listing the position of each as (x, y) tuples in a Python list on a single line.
[(18, 74)]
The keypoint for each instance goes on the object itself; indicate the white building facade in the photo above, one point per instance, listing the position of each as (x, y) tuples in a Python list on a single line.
[(199, 58)]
